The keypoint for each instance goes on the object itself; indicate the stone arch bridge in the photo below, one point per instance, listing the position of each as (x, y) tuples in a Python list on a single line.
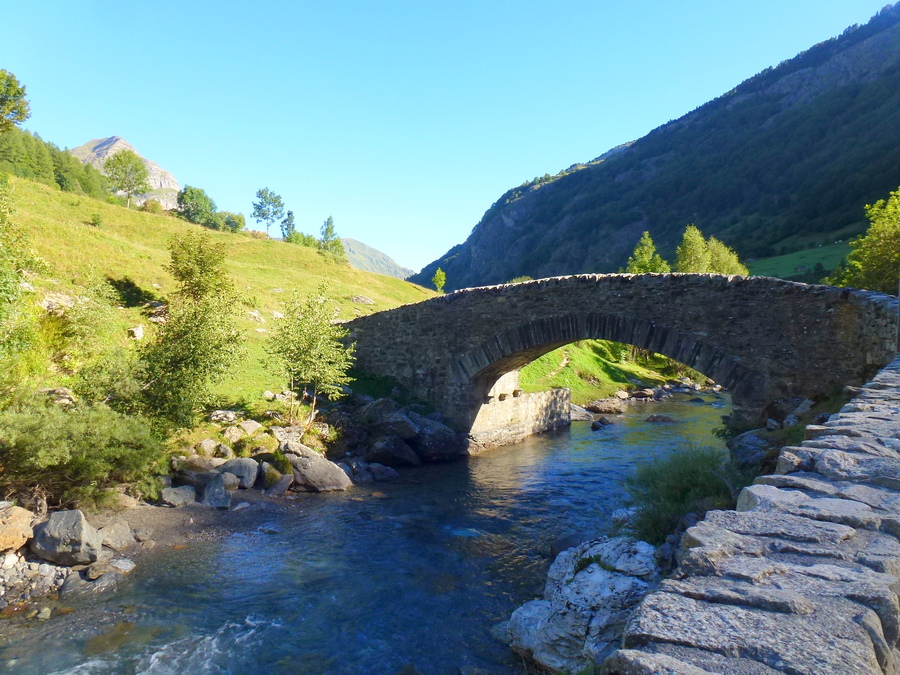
[(760, 338)]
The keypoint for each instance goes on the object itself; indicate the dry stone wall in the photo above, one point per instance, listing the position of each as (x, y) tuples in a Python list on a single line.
[(761, 338), (804, 577)]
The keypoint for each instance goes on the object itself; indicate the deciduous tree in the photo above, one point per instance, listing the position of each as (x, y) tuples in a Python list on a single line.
[(330, 242), (692, 254), (439, 279), (287, 226), (875, 256), (645, 259), (14, 108), (308, 347), (126, 172), (197, 206), (267, 208)]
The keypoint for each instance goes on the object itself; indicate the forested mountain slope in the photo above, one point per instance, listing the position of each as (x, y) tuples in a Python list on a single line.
[(784, 161)]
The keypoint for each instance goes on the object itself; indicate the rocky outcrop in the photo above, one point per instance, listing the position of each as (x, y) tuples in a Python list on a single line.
[(804, 576), (589, 594), (312, 472)]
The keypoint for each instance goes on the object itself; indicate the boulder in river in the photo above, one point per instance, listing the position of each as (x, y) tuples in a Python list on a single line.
[(436, 442), (579, 414), (67, 538), (607, 406), (391, 451), (590, 593), (312, 472), (245, 468)]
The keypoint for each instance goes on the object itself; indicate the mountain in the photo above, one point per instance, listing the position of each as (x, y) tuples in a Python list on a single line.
[(364, 257), (782, 162), (164, 186)]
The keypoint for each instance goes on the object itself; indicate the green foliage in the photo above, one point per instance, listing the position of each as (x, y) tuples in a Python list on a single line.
[(14, 108), (198, 265), (152, 206), (200, 342), (96, 220), (287, 226), (195, 206), (302, 239), (87, 323), (233, 222), (438, 280), (645, 259), (330, 243), (307, 347), (874, 259), (268, 208), (689, 479), (514, 280), (698, 256), (73, 455), (127, 173)]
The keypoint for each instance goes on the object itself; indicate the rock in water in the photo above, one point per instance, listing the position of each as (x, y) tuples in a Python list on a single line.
[(15, 527), (590, 593), (67, 539), (436, 442), (391, 451), (312, 472), (579, 414)]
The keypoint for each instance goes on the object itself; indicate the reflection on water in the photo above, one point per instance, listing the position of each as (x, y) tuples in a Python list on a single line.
[(339, 585)]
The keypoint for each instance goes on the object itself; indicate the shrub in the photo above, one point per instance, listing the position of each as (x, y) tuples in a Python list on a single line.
[(689, 479), (96, 220), (72, 455), (152, 206)]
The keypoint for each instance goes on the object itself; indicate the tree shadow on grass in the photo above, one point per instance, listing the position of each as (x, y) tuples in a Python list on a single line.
[(130, 294)]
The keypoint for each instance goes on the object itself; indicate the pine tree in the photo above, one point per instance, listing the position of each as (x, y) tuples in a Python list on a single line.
[(645, 259)]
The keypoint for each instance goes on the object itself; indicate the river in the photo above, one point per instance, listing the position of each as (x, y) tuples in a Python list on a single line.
[(405, 575)]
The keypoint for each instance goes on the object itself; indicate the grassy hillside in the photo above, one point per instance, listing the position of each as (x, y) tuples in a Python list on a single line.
[(129, 249), (791, 264)]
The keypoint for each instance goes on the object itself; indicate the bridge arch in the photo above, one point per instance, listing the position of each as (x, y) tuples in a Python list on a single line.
[(759, 337)]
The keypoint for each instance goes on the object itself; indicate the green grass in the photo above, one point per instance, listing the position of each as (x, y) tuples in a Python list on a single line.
[(592, 369), (784, 266), (131, 248)]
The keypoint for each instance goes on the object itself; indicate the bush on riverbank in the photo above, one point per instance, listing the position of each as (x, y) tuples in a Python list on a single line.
[(691, 479), (71, 455)]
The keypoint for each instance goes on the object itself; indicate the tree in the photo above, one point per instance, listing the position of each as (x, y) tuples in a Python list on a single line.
[(196, 206), (692, 254), (645, 259), (234, 222), (127, 173), (439, 279), (14, 109), (198, 266), (268, 208), (875, 256), (307, 347), (287, 225), (723, 259), (330, 243), (200, 342)]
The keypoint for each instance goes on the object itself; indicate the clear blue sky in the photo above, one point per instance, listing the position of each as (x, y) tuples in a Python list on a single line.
[(402, 120)]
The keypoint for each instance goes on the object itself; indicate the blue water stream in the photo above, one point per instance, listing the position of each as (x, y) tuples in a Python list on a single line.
[(381, 578)]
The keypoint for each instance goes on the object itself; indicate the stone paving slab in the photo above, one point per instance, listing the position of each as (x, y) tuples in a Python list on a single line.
[(804, 576)]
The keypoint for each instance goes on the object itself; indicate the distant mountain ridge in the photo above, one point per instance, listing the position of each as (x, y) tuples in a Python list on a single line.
[(165, 187), (784, 161), (363, 257)]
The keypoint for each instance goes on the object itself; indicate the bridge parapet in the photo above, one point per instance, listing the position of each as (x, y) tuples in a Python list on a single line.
[(762, 338)]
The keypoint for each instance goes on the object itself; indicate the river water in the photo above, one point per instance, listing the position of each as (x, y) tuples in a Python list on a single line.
[(410, 578)]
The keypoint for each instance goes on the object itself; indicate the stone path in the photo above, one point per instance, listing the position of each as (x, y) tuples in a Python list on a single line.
[(803, 577)]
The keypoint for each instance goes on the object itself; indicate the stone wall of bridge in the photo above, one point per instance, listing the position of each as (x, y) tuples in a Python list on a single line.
[(804, 577), (759, 337)]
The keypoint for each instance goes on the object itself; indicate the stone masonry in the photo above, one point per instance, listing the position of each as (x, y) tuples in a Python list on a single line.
[(759, 337), (804, 577)]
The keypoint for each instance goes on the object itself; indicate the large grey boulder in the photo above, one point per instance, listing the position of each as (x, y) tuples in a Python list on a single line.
[(749, 448), (590, 593), (178, 496), (607, 406), (118, 536), (579, 414), (391, 451), (312, 472), (215, 494), (436, 442), (67, 539), (245, 468)]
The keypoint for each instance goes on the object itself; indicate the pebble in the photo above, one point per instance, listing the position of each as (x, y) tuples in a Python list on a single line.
[(44, 614)]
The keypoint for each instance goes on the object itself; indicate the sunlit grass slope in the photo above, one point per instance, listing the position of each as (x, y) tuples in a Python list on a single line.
[(131, 246)]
